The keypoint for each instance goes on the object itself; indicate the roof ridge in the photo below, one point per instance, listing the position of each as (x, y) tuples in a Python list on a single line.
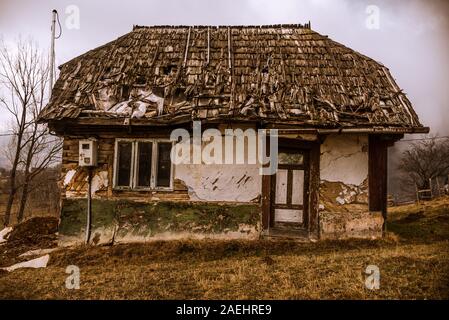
[(263, 26)]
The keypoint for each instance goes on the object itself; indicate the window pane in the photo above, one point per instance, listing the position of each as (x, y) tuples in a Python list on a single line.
[(281, 186), (144, 164), (290, 158), (163, 165), (124, 163)]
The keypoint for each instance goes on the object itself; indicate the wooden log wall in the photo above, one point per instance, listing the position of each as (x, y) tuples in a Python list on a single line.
[(77, 186)]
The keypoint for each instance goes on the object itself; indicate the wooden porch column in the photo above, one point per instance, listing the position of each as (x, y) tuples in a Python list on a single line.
[(377, 174)]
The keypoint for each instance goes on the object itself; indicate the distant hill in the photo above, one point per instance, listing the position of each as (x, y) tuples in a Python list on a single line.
[(3, 161)]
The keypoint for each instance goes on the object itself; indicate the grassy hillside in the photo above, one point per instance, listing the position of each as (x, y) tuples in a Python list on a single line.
[(413, 261)]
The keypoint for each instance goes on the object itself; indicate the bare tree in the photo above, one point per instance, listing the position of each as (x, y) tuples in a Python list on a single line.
[(40, 151), (424, 160), (24, 77)]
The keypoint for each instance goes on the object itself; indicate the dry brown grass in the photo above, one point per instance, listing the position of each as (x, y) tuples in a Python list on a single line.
[(414, 264)]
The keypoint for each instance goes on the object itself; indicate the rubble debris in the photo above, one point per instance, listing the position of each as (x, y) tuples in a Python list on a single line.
[(35, 231), (4, 234), (40, 262), (38, 252), (30, 235)]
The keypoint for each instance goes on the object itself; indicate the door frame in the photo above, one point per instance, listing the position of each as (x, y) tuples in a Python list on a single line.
[(311, 194), (304, 167)]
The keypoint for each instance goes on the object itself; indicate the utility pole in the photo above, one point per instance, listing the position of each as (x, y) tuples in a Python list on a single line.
[(52, 48), (89, 205)]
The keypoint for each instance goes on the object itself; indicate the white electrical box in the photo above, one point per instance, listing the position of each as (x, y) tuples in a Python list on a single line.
[(88, 153)]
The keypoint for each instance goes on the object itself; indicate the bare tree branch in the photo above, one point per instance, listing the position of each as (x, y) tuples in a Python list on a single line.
[(24, 75)]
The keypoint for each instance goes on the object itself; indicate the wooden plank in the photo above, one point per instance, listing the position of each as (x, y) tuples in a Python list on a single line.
[(289, 186), (377, 174), (266, 201), (312, 180), (267, 184), (288, 215), (288, 206)]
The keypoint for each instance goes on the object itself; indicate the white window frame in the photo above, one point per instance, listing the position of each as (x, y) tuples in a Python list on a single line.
[(134, 165)]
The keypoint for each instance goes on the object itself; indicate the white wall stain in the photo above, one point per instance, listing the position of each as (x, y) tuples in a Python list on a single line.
[(344, 158), (220, 182), (240, 183), (99, 181), (69, 176)]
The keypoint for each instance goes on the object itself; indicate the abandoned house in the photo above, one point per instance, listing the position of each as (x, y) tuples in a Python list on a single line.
[(336, 112)]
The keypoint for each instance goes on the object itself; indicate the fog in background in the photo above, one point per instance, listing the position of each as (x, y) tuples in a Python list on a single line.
[(411, 40)]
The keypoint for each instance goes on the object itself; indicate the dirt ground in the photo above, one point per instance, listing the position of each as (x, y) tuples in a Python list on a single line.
[(413, 261)]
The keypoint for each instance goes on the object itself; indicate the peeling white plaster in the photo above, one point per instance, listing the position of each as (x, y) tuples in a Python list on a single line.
[(220, 182), (344, 158), (140, 110), (69, 176), (4, 234), (35, 263), (38, 252), (122, 108), (141, 103), (99, 181), (240, 183)]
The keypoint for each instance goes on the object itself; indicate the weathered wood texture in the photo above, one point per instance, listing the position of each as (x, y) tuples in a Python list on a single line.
[(77, 186), (314, 189), (377, 174), (280, 73), (311, 151), (266, 201)]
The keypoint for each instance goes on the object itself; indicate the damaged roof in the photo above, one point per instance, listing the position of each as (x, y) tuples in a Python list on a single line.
[(286, 74)]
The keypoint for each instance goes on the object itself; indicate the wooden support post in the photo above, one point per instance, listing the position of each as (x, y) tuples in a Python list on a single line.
[(377, 174), (89, 205), (314, 190), (266, 196)]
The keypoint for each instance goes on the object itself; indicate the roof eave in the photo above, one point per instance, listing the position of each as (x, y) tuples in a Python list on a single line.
[(284, 128)]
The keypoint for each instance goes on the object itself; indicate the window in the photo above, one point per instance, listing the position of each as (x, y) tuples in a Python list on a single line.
[(143, 164), (124, 164), (163, 165), (144, 151)]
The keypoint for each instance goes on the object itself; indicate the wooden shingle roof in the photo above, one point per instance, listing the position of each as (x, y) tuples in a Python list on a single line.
[(285, 74)]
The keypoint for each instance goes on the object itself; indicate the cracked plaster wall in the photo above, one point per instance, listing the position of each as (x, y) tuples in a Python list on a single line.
[(344, 211), (221, 182), (344, 158)]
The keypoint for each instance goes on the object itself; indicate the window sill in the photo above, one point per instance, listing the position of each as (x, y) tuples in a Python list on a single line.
[(143, 190)]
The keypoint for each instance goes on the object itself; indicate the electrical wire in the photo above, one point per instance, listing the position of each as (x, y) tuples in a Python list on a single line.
[(59, 24)]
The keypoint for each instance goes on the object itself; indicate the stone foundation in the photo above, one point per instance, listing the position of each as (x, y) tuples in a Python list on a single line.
[(344, 225), (120, 221)]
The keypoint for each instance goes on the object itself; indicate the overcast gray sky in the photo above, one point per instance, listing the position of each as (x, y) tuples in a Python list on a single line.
[(412, 39)]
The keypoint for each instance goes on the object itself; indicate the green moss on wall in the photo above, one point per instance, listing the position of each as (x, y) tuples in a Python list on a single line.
[(147, 219)]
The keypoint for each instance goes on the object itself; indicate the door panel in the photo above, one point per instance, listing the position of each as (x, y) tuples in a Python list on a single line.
[(289, 189), (288, 215), (298, 187), (281, 187)]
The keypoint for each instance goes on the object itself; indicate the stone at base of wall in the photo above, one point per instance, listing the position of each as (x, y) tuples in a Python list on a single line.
[(345, 225), (124, 221)]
